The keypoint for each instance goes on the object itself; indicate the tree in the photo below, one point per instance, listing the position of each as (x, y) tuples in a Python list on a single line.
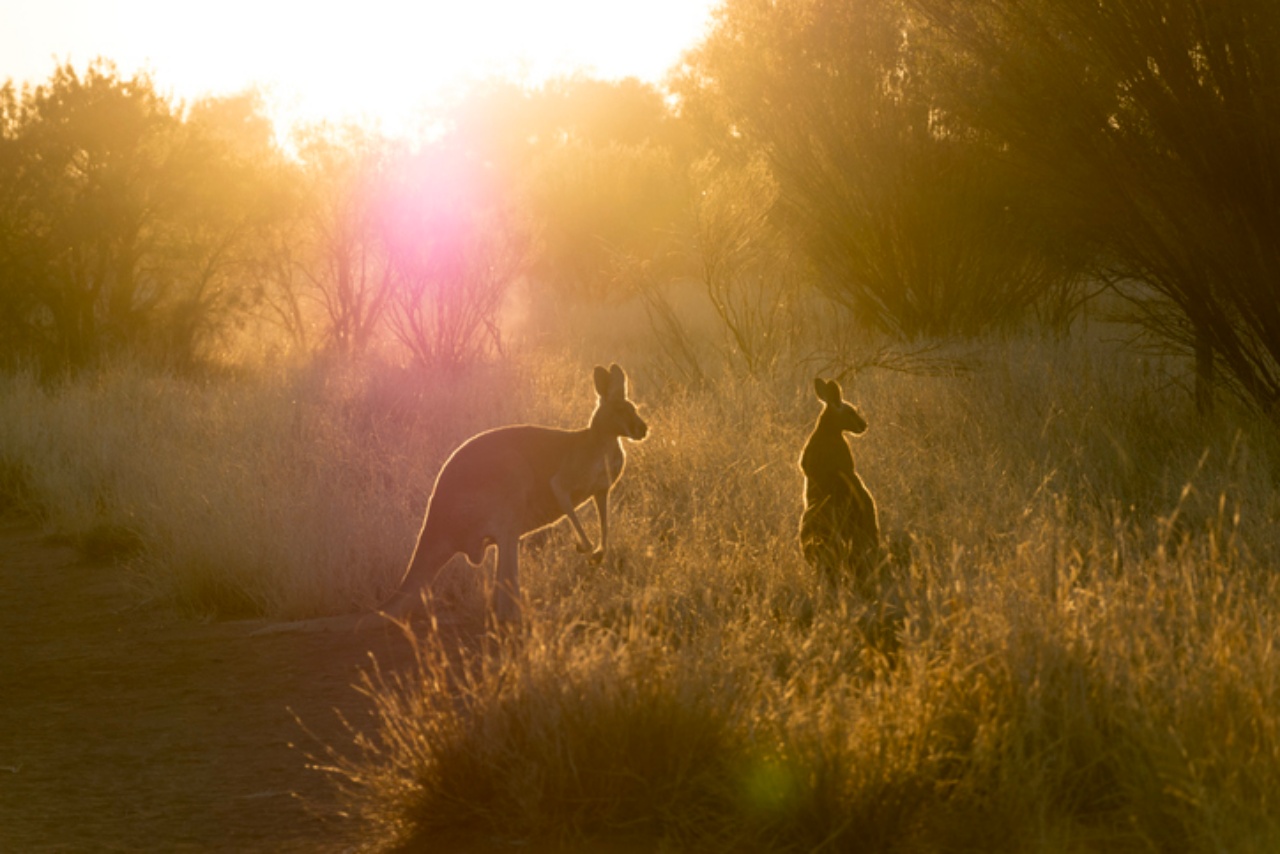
[(83, 156), (340, 245), (919, 229), (223, 232), (19, 264), (1155, 127), (745, 267), (455, 247), (598, 166), (124, 221), (594, 202)]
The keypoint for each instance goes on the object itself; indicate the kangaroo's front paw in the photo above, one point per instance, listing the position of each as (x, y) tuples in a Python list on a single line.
[(584, 548), (596, 557)]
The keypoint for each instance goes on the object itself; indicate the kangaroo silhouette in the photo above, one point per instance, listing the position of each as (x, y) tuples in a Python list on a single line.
[(840, 528), (505, 483)]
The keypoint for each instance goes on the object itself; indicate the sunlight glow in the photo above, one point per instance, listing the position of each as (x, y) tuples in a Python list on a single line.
[(377, 62)]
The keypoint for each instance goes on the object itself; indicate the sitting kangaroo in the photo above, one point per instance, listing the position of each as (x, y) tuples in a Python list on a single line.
[(505, 483), (839, 531)]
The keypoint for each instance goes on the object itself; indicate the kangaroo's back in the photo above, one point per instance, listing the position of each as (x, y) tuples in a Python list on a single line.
[(502, 480)]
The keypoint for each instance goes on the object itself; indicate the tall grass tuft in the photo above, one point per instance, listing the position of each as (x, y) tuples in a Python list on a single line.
[(574, 738)]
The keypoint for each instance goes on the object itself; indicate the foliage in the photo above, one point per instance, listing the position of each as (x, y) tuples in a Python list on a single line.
[(596, 202), (922, 231), (748, 270), (605, 167), (126, 225), (730, 285), (1153, 127)]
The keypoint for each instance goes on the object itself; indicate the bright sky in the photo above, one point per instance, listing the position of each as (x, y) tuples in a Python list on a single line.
[(378, 60)]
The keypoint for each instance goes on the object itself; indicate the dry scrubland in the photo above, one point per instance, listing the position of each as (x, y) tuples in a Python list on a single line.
[(1088, 659)]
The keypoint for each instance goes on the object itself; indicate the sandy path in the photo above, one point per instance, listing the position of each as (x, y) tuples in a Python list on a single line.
[(126, 728)]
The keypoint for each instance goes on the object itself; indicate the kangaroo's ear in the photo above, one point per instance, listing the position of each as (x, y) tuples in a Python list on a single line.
[(619, 379), (828, 392), (602, 380)]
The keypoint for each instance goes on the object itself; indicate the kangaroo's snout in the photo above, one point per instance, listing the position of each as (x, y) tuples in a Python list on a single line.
[(626, 422), (851, 420), (637, 429)]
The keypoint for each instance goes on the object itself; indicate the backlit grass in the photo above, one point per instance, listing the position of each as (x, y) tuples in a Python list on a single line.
[(1084, 657)]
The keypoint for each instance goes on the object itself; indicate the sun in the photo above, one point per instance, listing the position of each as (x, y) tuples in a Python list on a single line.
[(380, 63)]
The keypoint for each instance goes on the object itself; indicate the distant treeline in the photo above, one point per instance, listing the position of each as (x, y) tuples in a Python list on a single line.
[(937, 167)]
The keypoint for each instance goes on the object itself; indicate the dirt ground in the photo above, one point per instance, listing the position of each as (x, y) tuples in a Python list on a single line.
[(126, 727)]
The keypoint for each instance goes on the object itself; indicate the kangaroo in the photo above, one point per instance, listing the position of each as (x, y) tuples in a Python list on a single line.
[(839, 530), (500, 485)]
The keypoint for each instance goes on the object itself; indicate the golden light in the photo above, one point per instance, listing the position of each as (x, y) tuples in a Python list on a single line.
[(377, 62)]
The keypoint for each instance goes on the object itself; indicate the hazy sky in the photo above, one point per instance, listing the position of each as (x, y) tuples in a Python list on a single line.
[(373, 59)]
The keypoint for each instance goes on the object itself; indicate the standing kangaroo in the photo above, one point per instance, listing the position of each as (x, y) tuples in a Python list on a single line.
[(505, 483), (839, 530)]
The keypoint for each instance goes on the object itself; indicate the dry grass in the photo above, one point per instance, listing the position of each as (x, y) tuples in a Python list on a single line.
[(1086, 661)]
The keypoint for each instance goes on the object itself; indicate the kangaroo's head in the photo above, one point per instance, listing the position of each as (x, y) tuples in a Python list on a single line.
[(838, 413), (615, 415)]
